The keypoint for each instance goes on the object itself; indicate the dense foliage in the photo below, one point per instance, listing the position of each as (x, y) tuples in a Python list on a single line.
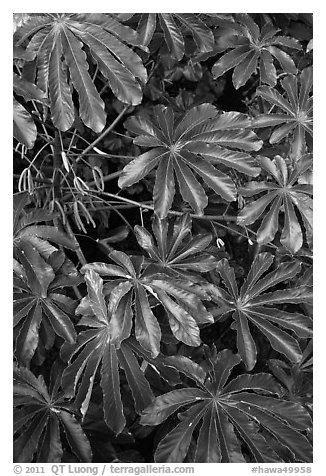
[(162, 237)]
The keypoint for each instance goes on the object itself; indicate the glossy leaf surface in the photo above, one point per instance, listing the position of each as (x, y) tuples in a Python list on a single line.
[(252, 306), (181, 301), (251, 48), (230, 416), (283, 193), (189, 146), (41, 417), (174, 26), (295, 112), (58, 42), (173, 250), (103, 345)]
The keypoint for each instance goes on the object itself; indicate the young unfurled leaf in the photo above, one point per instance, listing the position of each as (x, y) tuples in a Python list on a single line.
[(190, 146), (230, 418)]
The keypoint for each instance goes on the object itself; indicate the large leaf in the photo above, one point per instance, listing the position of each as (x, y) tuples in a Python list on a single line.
[(250, 47), (226, 413), (284, 193), (187, 146), (255, 306), (58, 43), (40, 420)]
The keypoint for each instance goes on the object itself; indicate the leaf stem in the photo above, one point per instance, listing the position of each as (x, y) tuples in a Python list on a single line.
[(105, 132), (79, 252), (56, 165), (170, 212)]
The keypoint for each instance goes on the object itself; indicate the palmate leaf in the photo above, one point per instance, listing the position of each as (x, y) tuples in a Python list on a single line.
[(40, 309), (251, 48), (33, 249), (230, 417), (58, 42), (128, 282), (190, 145), (41, 270), (104, 345), (37, 317), (295, 116), (252, 306), (176, 252), (41, 416), (284, 193), (95, 348), (174, 27)]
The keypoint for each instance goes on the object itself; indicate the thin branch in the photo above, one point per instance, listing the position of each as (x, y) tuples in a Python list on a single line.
[(35, 179), (79, 252), (104, 155), (107, 178), (170, 212), (217, 218), (56, 164), (105, 132), (113, 208)]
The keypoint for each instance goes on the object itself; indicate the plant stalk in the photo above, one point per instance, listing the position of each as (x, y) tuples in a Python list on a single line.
[(105, 132)]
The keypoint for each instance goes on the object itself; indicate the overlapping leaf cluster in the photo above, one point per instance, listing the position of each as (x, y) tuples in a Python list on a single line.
[(194, 329)]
